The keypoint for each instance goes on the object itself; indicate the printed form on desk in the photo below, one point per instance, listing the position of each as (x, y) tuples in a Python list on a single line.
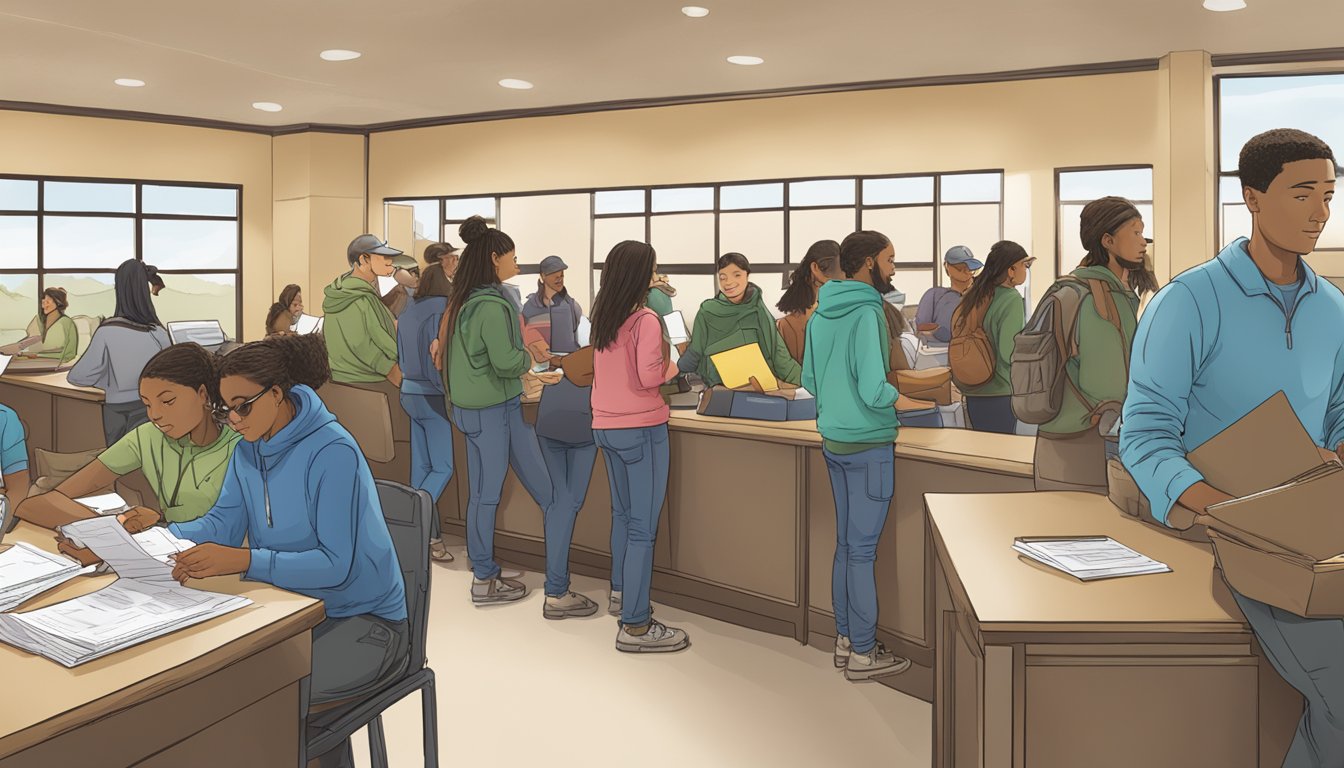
[(26, 571), (105, 504), (1087, 557)]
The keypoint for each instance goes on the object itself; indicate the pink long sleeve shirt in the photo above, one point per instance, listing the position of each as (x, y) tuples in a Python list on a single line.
[(627, 375)]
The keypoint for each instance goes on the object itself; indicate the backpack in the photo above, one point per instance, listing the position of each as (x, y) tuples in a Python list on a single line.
[(1043, 349), (970, 354)]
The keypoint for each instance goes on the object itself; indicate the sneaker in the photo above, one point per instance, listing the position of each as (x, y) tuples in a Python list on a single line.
[(614, 604), (843, 648), (877, 662), (497, 590), (567, 606), (438, 551), (657, 639)]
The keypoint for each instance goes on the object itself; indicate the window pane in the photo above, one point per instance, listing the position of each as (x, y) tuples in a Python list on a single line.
[(541, 225), (619, 201), (81, 196), (1252, 105), (807, 227), (825, 192), (90, 295), (190, 201), (18, 306), (18, 242), (179, 244), (84, 242), (683, 199), (758, 235), (909, 229), (1086, 186), (914, 283), (464, 208), (974, 226), (686, 238), (609, 232), (972, 188), (913, 189), (741, 196), (199, 297), (772, 287), (18, 195), (1333, 237), (691, 291)]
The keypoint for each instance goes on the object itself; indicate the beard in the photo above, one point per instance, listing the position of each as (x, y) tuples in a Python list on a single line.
[(883, 285)]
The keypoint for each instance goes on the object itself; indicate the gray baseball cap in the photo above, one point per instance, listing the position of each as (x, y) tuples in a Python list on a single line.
[(960, 254), (552, 264), (371, 244)]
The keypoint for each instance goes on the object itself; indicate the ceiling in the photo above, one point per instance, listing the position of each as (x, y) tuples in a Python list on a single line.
[(428, 58)]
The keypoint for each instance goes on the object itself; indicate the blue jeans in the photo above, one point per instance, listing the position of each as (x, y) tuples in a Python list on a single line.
[(991, 414), (431, 447), (862, 485), (497, 438), (571, 468), (637, 461)]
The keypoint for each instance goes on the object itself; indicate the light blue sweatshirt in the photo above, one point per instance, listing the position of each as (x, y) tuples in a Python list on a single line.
[(1215, 344), (306, 502)]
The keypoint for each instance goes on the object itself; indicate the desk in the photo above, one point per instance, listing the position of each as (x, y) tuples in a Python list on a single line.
[(1036, 668), (225, 692), (58, 415)]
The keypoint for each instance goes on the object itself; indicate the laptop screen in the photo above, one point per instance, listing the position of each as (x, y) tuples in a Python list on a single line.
[(207, 333)]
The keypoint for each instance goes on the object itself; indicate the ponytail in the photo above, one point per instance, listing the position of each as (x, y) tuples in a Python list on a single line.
[(283, 361)]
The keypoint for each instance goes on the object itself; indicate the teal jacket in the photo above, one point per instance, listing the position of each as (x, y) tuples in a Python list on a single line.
[(845, 365)]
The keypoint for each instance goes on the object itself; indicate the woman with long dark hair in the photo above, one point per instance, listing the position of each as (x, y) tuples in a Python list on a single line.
[(737, 316), (481, 342), (285, 312), (299, 510), (989, 406), (57, 337), (118, 352), (631, 361), (800, 298)]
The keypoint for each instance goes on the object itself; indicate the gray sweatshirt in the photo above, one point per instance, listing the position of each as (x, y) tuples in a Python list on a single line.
[(116, 356)]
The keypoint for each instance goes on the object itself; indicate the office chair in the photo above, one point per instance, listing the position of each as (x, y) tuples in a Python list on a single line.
[(407, 511)]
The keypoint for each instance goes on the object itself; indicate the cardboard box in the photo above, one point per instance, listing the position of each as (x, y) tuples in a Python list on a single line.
[(1296, 583)]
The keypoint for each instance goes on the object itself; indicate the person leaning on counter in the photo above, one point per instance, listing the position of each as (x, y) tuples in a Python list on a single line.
[(737, 316), (551, 316), (14, 477), (933, 317), (989, 406), (821, 263), (361, 336), (57, 337)]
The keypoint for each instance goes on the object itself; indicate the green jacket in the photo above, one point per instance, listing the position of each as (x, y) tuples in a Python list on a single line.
[(659, 302), (59, 342), (721, 325), (1003, 321), (845, 367), (486, 358), (1100, 369), (361, 339)]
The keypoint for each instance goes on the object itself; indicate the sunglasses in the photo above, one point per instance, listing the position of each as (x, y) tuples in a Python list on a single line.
[(222, 411)]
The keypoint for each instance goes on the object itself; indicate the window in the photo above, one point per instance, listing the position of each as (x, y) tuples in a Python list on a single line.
[(73, 234), (1076, 187)]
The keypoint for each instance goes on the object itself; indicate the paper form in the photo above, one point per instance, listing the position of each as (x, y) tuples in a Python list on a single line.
[(1088, 557), (738, 365), (308, 324), (105, 504), (676, 327)]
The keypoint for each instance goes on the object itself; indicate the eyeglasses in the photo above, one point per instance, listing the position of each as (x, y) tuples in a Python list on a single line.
[(222, 411)]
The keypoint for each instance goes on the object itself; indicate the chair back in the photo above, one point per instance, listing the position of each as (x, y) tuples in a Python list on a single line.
[(85, 326), (407, 512)]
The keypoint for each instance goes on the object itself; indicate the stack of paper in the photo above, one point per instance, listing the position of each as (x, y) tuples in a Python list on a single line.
[(676, 327), (105, 504), (144, 603), (26, 571), (307, 324), (1088, 557), (158, 543)]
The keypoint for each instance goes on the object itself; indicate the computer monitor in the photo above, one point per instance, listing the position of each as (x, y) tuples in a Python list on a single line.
[(208, 333)]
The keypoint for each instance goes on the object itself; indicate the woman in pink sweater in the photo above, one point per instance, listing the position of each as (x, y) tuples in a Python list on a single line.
[(631, 361)]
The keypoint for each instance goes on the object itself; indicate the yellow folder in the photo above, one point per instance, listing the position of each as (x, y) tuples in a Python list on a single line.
[(738, 365)]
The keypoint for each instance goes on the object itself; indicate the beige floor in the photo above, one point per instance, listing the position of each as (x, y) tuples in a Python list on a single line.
[(516, 690)]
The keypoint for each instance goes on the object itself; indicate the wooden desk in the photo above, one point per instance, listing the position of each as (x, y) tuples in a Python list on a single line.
[(221, 693), (58, 415), (1036, 668)]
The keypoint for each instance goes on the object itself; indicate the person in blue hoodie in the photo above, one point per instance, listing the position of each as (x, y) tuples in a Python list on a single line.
[(1219, 340), (845, 363), (300, 494)]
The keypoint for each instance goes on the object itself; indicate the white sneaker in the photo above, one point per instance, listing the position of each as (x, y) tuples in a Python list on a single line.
[(658, 639), (843, 648), (614, 604), (510, 573), (877, 662), (497, 590), (567, 606)]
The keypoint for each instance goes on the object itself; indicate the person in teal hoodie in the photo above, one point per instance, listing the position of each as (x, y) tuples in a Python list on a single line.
[(989, 406), (361, 334), (736, 317), (845, 361), (1219, 340), (299, 510)]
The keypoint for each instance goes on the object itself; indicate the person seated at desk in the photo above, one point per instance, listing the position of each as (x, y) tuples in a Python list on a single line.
[(551, 316), (285, 312), (933, 318), (118, 351), (360, 332), (182, 449), (734, 318), (300, 494), (1002, 312), (57, 337), (800, 298), (13, 456)]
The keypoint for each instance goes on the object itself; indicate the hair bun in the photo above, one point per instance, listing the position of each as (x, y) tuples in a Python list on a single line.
[(473, 229)]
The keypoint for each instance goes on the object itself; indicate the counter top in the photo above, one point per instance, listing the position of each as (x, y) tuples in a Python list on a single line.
[(52, 384)]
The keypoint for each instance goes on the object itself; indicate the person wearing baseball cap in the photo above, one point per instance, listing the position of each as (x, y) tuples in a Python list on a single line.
[(933, 318), (360, 333), (551, 316)]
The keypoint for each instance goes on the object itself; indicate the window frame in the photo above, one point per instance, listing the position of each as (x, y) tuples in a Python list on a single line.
[(1059, 203)]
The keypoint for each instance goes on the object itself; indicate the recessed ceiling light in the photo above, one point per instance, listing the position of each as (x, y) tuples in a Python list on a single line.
[(517, 85), (695, 11), (129, 82), (338, 54), (267, 106), (1224, 5), (746, 61)]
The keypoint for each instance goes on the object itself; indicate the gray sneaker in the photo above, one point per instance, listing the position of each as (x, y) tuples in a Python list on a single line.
[(877, 662), (438, 551), (614, 604), (497, 590), (658, 639), (567, 606), (843, 648)]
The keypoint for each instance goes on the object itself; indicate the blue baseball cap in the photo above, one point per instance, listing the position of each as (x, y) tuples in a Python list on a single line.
[(960, 254)]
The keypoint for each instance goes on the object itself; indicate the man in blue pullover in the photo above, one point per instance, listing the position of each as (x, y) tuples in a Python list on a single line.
[(1218, 341)]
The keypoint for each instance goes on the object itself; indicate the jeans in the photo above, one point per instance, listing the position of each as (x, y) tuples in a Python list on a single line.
[(497, 438), (637, 463), (353, 657), (571, 468), (431, 448), (991, 414), (1309, 655), (862, 485)]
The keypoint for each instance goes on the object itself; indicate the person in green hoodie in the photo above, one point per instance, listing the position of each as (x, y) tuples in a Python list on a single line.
[(57, 336), (845, 361), (736, 317), (989, 406), (360, 334), (1072, 448)]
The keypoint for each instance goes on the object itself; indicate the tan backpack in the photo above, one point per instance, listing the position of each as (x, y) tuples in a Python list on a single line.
[(970, 354)]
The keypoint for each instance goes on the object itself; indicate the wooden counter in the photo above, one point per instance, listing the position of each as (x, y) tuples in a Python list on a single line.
[(225, 692), (1036, 668), (57, 415)]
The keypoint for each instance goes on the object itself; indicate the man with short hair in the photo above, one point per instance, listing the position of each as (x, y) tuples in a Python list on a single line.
[(361, 337), (933, 319), (1219, 340)]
